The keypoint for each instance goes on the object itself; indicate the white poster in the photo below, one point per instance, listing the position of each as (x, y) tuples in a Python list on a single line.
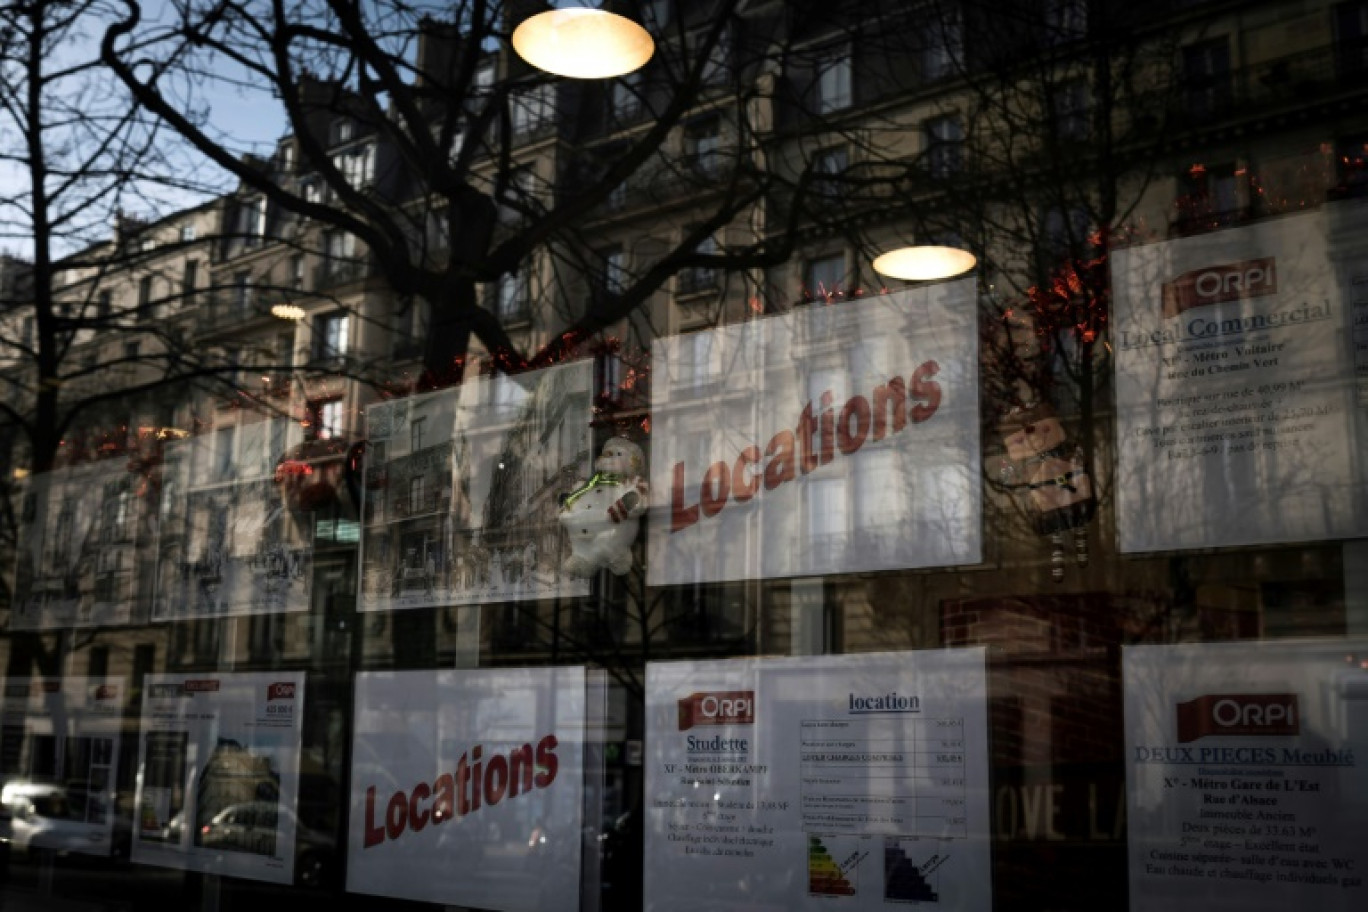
[(832, 439), (860, 780), (463, 490), (467, 787), (1247, 771), (230, 542), (80, 531), (218, 776), (1238, 420), (59, 763)]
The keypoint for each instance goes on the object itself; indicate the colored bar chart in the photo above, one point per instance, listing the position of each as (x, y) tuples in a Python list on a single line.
[(825, 874)]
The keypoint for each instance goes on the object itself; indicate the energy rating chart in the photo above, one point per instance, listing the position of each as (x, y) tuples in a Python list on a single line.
[(822, 784), (833, 875), (891, 770), (906, 875)]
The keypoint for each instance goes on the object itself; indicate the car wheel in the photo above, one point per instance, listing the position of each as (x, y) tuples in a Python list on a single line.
[(310, 870)]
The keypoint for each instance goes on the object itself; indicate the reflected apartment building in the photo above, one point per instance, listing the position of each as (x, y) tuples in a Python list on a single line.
[(1043, 144)]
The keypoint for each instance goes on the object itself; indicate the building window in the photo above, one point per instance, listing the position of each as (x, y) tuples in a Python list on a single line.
[(104, 305), (339, 245), (717, 68), (242, 292), (252, 223), (513, 296), (416, 494), (145, 308), (1351, 37), (1065, 20), (340, 263), (330, 333), (695, 368), (1210, 197), (943, 49), (614, 278), (700, 278), (437, 231), (703, 147), (828, 167), (1064, 234), (411, 328), (944, 146), (1071, 110), (828, 506), (519, 193), (1207, 88), (357, 165), (187, 232), (1351, 168), (98, 665), (625, 97), (833, 81), (656, 14), (189, 281), (325, 420), (532, 108), (416, 431), (824, 277), (342, 130)]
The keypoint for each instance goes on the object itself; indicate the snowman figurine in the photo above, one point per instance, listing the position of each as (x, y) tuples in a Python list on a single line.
[(600, 516)]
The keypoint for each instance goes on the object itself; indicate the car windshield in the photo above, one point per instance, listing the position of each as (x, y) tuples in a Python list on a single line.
[(53, 805)]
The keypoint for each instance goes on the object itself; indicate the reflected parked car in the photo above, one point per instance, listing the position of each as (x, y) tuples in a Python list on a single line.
[(253, 827), (38, 815)]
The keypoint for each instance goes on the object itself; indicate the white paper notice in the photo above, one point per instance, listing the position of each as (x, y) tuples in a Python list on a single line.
[(64, 734), (857, 779), (80, 532), (1238, 416), (218, 775), (463, 491), (832, 439), (467, 787), (1246, 774), (230, 542)]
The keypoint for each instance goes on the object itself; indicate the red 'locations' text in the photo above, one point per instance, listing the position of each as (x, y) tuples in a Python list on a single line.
[(813, 442), (477, 781)]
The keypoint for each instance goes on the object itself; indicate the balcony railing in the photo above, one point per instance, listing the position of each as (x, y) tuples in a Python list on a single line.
[(230, 309), (697, 281), (332, 273), (1295, 79)]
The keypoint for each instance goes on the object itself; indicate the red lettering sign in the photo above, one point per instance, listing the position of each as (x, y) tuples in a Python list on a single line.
[(282, 690), (475, 782), (1218, 284), (813, 442), (718, 707), (1238, 714)]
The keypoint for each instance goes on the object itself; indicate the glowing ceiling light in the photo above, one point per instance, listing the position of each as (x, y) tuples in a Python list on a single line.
[(920, 264), (583, 43), (291, 312)]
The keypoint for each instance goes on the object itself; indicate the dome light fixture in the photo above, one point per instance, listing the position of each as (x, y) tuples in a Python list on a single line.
[(924, 263), (583, 43), (291, 312)]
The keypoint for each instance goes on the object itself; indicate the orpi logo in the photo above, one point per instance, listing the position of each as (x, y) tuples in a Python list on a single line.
[(282, 690), (1238, 714), (1219, 284), (719, 707)]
